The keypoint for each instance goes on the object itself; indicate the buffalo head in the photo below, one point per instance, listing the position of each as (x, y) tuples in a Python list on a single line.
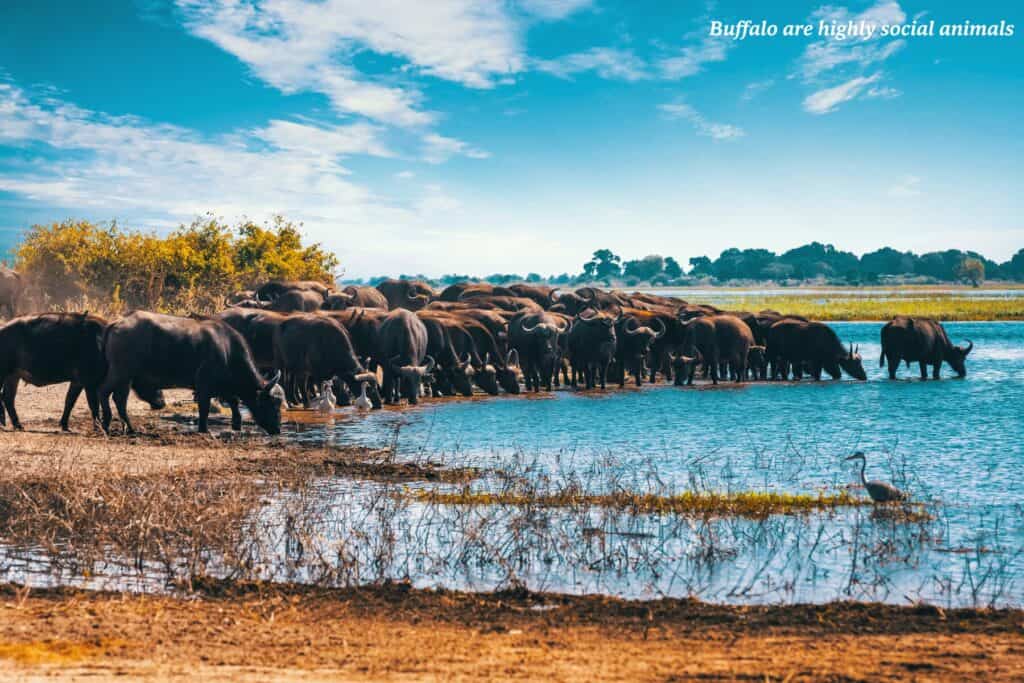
[(853, 364), (957, 357), (412, 377), (266, 408), (508, 376)]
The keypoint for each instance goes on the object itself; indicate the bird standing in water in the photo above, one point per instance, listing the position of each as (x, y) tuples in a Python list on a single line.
[(880, 491), (327, 401), (362, 402)]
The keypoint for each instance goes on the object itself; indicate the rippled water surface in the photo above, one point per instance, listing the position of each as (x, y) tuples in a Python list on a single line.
[(957, 445)]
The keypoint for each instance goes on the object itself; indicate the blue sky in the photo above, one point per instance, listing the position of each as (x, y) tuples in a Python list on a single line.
[(470, 136)]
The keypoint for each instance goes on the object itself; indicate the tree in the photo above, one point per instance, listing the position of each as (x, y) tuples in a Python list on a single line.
[(673, 270), (604, 265), (700, 266), (1015, 266), (971, 270), (644, 269)]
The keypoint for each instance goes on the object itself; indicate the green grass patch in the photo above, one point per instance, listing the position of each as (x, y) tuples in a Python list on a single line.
[(742, 504), (939, 307)]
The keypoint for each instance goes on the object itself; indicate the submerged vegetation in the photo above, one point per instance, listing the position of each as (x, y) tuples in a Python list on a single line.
[(948, 308)]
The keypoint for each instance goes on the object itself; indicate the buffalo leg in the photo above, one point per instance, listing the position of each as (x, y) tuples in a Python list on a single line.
[(121, 402), (10, 391), (74, 391), (924, 369), (893, 362), (203, 399), (935, 370), (236, 414)]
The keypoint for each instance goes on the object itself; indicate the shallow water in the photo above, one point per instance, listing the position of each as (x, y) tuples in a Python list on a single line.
[(956, 445)]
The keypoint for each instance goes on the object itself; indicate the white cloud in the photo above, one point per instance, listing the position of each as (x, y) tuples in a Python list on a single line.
[(610, 63), (837, 66), (691, 59), (437, 149), (755, 89), (907, 186), (716, 131), (826, 100), (300, 45), (405, 175), (160, 175)]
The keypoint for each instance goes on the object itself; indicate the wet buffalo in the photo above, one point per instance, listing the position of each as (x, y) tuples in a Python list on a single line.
[(924, 341), (208, 356), (591, 346), (408, 294), (311, 349), (402, 353), (718, 341), (453, 372), (57, 347), (798, 344), (637, 331), (534, 336)]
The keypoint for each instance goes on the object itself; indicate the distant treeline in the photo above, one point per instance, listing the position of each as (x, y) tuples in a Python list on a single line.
[(814, 262)]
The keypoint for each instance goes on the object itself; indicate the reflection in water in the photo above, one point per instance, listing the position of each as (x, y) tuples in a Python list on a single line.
[(957, 444)]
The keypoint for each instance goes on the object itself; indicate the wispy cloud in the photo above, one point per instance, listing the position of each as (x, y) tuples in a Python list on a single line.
[(711, 129), (553, 9), (438, 149), (838, 67), (690, 59), (754, 89), (907, 186), (610, 63)]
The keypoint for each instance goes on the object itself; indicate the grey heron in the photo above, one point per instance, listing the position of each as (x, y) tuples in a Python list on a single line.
[(880, 491)]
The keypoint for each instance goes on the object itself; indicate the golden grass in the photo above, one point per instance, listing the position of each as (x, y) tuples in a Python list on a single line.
[(948, 308), (741, 504), (57, 651)]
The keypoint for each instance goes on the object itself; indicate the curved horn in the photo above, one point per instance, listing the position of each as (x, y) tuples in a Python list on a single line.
[(275, 379), (553, 296), (632, 327), (660, 333), (562, 326), (429, 367), (466, 359), (528, 330), (970, 346), (509, 362)]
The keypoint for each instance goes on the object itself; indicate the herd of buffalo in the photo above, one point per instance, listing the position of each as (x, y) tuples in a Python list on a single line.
[(287, 342)]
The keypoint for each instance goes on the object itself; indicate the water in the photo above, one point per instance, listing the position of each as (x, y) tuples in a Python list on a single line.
[(957, 445)]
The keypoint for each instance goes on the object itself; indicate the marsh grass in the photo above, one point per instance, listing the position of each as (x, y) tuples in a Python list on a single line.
[(752, 504), (836, 308)]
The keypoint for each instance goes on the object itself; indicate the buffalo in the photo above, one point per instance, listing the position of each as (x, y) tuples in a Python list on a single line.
[(408, 294), (275, 288), (718, 341), (401, 351), (636, 331), (57, 347), (534, 336), (208, 356), (591, 346), (311, 349), (366, 297), (796, 344), (922, 340)]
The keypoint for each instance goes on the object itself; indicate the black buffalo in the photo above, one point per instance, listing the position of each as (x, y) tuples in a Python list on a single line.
[(311, 349), (275, 288), (534, 336), (718, 341), (798, 344), (408, 294), (208, 356), (366, 297), (637, 331), (922, 340), (402, 353), (57, 347), (591, 346)]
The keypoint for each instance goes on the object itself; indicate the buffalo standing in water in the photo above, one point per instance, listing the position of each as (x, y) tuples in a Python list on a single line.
[(795, 343), (401, 352), (923, 340), (208, 356)]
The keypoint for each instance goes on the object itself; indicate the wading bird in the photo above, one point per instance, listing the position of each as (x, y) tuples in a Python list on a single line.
[(327, 401), (363, 403), (880, 491)]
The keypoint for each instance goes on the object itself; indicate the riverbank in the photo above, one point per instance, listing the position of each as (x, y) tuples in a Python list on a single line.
[(252, 632)]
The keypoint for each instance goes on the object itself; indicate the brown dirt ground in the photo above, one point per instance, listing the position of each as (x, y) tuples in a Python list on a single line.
[(392, 632), (395, 633)]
